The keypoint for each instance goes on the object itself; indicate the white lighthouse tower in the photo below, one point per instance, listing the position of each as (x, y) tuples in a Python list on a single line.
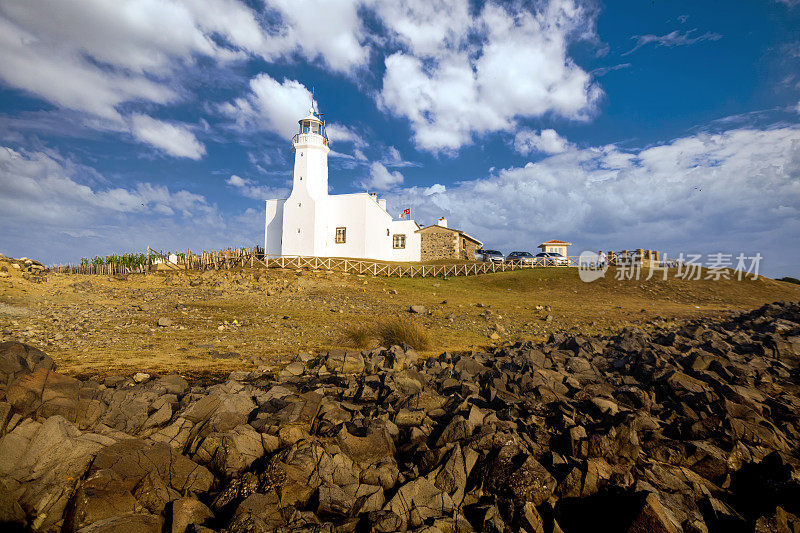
[(312, 222), (304, 213)]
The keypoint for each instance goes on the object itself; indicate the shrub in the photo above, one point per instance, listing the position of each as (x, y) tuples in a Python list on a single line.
[(787, 279), (398, 330)]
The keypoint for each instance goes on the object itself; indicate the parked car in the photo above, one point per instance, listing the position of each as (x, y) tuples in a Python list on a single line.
[(491, 256), (551, 259), (520, 257)]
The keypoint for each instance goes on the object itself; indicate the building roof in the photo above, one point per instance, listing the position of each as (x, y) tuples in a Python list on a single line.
[(556, 242), (467, 235), (312, 118)]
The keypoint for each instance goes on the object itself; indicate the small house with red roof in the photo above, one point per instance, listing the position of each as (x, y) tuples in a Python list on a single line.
[(558, 247)]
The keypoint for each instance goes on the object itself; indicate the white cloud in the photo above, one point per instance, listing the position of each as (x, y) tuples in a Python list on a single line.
[(459, 76), (672, 39), (426, 27), (53, 209), (381, 179), (339, 133), (94, 55), (436, 188), (546, 141), (329, 30), (68, 80), (174, 139), (736, 191), (271, 106), (249, 189), (36, 186)]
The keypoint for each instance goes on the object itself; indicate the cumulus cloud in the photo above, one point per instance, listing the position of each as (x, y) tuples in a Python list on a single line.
[(735, 191), (99, 57), (40, 186), (270, 106), (174, 139), (331, 31), (545, 141), (339, 133), (381, 179), (54, 209), (249, 189), (672, 39), (457, 75)]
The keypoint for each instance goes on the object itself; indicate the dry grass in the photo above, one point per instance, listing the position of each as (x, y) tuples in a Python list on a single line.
[(359, 336), (394, 330), (398, 330)]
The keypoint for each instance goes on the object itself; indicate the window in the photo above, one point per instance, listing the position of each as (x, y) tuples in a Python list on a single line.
[(398, 241), (387, 232), (341, 235)]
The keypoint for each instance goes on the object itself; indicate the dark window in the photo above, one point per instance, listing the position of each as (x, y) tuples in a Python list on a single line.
[(341, 235)]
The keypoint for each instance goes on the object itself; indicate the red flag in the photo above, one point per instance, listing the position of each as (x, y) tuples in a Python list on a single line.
[(406, 211)]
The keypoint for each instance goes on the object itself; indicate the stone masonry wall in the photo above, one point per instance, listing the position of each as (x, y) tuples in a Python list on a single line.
[(439, 244), (468, 249)]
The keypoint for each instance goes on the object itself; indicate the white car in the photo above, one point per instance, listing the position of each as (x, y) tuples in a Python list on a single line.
[(490, 256)]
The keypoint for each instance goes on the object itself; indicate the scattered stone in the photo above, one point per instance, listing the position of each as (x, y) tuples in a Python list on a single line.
[(418, 309), (78, 286), (164, 322)]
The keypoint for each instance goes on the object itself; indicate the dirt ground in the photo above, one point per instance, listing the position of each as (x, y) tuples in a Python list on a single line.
[(231, 320)]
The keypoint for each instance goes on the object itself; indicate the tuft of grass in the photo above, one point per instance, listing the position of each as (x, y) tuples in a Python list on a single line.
[(398, 330), (359, 336)]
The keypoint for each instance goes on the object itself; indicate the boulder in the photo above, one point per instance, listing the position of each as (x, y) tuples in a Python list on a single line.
[(655, 518), (45, 393), (42, 463), (515, 475), (418, 501), (130, 523), (188, 512), (134, 459), (345, 362)]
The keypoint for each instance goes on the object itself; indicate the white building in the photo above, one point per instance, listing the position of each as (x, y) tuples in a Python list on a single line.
[(312, 222)]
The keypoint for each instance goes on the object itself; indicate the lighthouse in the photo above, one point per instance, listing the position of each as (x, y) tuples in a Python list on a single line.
[(313, 223), (305, 210)]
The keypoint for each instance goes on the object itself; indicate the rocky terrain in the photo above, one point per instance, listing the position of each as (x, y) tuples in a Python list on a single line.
[(694, 429)]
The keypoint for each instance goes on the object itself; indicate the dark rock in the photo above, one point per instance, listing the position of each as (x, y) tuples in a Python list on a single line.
[(516, 475), (655, 518)]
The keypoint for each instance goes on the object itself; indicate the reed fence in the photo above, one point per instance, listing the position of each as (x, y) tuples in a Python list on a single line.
[(254, 258)]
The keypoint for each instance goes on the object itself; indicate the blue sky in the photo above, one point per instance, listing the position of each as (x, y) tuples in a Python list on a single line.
[(626, 124)]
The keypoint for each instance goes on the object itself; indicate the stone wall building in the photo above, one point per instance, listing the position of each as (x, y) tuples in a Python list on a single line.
[(440, 242)]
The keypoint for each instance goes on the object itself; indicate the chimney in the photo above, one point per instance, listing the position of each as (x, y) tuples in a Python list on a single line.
[(374, 196), (382, 203), (442, 222)]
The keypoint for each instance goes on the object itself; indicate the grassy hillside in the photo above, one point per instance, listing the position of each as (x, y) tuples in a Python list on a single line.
[(255, 317)]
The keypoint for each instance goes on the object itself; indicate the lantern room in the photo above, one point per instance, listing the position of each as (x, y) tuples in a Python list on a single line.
[(312, 123)]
